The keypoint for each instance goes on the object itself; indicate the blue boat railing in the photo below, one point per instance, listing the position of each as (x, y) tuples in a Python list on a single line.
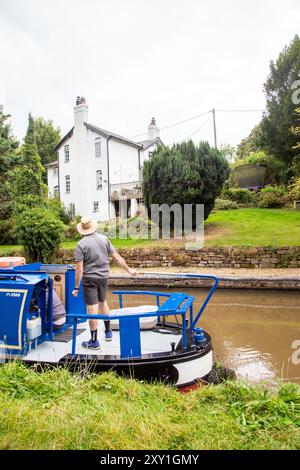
[(174, 276), (131, 347), (121, 317)]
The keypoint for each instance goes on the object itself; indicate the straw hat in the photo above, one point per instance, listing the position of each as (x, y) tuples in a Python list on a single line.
[(86, 226)]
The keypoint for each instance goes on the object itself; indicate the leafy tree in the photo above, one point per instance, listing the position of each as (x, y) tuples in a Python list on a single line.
[(253, 143), (29, 188), (280, 116), (8, 160), (57, 207), (296, 132), (185, 174), (46, 137), (8, 146), (296, 128), (274, 134), (228, 152)]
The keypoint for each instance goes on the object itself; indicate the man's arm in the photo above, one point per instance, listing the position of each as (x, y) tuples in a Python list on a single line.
[(78, 277), (122, 263)]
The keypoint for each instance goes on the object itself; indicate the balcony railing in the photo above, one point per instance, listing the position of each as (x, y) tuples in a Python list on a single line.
[(130, 190)]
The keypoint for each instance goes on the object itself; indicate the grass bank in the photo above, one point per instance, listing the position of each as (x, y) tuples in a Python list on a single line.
[(253, 227), (58, 410), (241, 227)]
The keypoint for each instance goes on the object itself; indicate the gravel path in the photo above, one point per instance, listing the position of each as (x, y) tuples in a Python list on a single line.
[(263, 273)]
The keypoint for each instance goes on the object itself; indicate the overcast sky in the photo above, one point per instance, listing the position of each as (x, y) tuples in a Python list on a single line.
[(134, 59)]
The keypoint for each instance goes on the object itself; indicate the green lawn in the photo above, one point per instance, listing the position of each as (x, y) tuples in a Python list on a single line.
[(60, 410), (117, 243), (242, 227), (254, 227)]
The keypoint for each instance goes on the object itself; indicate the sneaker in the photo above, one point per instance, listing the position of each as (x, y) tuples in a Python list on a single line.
[(91, 344), (108, 335)]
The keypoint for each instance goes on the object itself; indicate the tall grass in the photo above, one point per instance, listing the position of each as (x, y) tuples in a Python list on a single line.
[(59, 410)]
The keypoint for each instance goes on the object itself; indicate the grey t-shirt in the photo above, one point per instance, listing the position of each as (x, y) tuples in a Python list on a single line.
[(94, 251)]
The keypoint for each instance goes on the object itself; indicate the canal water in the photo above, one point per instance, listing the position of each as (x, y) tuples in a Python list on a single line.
[(256, 333)]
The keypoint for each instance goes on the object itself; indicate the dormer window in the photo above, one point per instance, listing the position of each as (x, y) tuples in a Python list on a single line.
[(67, 153), (98, 147)]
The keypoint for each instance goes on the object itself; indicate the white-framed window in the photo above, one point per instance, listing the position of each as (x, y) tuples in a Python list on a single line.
[(68, 184), (99, 179), (56, 191), (72, 209), (98, 147), (55, 172), (96, 206), (67, 153)]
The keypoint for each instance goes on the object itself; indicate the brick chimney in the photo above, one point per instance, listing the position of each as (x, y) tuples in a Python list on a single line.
[(80, 112), (153, 130)]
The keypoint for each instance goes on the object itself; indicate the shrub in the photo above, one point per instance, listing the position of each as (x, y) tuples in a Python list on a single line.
[(225, 205), (241, 196), (293, 193), (40, 233), (71, 232), (184, 174), (269, 199), (277, 190), (7, 235), (59, 210)]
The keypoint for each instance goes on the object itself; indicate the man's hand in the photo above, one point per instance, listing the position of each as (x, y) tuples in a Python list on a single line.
[(75, 292), (122, 263), (132, 272)]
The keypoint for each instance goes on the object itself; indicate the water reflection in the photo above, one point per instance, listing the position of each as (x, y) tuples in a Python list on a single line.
[(252, 331)]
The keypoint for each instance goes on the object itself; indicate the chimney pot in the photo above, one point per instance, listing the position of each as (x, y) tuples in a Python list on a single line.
[(80, 100), (153, 130), (80, 112)]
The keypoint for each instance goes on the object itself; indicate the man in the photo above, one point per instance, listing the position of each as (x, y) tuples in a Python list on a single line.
[(92, 267)]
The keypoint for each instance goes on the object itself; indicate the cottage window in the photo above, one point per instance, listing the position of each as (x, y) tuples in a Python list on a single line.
[(67, 153), (55, 191), (96, 206), (72, 210), (99, 179), (68, 184), (98, 147), (55, 172)]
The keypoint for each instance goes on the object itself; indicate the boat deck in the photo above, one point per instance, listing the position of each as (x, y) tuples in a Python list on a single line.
[(151, 342)]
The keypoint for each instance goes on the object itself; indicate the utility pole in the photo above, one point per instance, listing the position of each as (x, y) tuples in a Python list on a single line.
[(215, 128)]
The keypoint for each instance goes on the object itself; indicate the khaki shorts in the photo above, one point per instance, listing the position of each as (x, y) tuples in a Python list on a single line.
[(94, 289)]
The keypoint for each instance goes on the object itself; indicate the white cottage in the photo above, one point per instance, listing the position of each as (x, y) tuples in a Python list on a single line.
[(98, 173)]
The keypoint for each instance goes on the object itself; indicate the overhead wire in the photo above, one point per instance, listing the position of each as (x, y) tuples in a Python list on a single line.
[(198, 129), (199, 115)]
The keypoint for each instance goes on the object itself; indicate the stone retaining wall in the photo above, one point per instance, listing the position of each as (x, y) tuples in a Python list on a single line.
[(225, 257), (226, 282)]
